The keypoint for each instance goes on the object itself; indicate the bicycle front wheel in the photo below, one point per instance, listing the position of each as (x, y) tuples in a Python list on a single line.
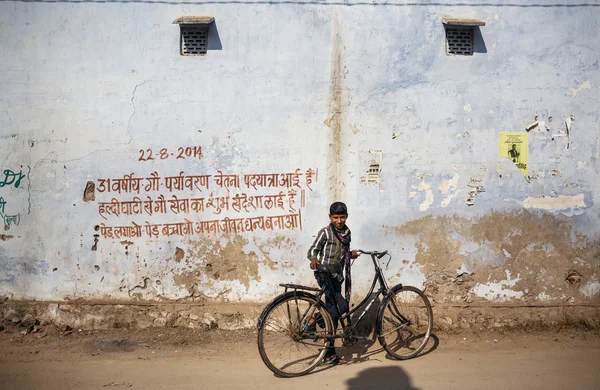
[(404, 322), (288, 345)]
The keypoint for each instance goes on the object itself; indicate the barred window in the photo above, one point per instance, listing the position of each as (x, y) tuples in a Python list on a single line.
[(460, 35), (194, 34), (194, 39), (459, 41)]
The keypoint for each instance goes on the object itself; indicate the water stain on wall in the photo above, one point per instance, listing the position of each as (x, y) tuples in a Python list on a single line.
[(279, 242), (334, 121), (529, 254), (210, 258)]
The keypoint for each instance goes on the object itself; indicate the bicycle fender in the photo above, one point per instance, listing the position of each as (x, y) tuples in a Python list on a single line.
[(280, 298)]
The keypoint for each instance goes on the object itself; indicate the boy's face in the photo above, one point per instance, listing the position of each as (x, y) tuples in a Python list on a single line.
[(338, 220)]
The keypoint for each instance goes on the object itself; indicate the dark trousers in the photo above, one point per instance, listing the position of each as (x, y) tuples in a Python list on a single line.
[(335, 303)]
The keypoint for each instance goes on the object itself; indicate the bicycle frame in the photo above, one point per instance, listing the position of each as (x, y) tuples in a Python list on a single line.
[(383, 289)]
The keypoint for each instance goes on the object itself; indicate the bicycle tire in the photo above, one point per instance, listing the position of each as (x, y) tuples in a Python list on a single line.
[(281, 323), (408, 311)]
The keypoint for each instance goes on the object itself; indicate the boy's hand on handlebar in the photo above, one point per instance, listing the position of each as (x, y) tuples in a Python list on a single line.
[(313, 263), (354, 254)]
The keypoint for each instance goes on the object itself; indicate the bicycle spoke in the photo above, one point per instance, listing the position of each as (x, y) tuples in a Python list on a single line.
[(405, 323), (286, 346)]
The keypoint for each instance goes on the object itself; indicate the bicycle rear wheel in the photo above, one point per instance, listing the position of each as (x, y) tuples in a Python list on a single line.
[(404, 322), (287, 346)]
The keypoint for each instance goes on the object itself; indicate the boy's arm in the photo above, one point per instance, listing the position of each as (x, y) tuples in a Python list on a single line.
[(316, 248)]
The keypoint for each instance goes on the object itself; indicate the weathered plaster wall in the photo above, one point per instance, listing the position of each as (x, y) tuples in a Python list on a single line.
[(331, 87)]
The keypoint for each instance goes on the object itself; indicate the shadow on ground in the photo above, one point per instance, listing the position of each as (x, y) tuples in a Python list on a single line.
[(363, 349), (381, 378)]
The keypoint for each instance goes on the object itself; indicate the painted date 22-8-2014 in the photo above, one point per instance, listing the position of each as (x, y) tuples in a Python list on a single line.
[(163, 154)]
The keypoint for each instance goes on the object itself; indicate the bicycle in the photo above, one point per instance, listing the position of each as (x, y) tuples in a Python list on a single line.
[(403, 324)]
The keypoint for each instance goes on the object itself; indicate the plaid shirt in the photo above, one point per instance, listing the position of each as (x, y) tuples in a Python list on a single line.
[(327, 248)]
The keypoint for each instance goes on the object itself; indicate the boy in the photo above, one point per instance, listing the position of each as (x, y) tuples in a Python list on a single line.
[(332, 249)]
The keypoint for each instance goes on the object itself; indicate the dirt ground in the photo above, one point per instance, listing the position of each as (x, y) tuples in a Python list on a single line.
[(217, 359)]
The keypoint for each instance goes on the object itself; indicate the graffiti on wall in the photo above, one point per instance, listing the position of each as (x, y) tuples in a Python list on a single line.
[(234, 203), (11, 180)]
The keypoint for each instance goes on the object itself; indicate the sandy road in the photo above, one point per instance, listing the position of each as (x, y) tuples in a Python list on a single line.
[(229, 360)]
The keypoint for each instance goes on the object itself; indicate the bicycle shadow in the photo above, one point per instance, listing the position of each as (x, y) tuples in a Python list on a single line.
[(381, 378), (365, 331), (369, 379), (431, 346), (363, 350)]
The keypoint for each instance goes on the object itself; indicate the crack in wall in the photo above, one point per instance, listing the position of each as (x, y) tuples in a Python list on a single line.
[(28, 190), (132, 101)]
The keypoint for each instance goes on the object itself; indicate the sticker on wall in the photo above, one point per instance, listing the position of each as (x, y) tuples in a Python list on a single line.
[(475, 187), (373, 173), (515, 147)]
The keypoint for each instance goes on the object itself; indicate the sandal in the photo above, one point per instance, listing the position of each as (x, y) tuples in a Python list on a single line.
[(334, 359)]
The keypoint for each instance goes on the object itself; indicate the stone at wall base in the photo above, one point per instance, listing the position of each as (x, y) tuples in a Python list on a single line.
[(233, 316)]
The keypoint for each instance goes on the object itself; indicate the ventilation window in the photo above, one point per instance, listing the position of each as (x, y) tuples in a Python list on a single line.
[(194, 40), (460, 35), (194, 34), (459, 41)]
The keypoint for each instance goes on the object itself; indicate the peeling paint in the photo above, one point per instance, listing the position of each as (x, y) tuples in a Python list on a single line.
[(539, 249), (428, 195), (179, 254), (498, 291), (559, 203), (449, 186), (590, 289), (89, 193), (543, 296), (584, 85), (212, 260)]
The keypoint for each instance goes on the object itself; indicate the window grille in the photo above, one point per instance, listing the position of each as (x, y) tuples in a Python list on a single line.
[(194, 39), (459, 41)]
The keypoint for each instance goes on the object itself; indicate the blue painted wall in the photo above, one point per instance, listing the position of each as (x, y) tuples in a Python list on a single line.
[(334, 87)]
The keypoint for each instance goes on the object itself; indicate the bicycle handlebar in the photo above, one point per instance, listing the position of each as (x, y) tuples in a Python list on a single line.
[(373, 253)]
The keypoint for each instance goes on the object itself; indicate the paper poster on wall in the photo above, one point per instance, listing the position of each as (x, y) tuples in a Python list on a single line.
[(514, 146)]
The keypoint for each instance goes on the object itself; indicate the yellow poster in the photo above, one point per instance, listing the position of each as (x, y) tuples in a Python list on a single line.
[(514, 146)]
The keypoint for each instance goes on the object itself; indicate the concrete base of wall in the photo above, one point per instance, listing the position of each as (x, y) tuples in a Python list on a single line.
[(232, 316)]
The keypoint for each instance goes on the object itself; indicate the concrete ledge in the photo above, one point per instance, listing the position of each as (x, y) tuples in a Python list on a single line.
[(467, 22), (194, 20)]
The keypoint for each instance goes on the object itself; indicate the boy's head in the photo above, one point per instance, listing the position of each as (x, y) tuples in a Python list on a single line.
[(338, 213)]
